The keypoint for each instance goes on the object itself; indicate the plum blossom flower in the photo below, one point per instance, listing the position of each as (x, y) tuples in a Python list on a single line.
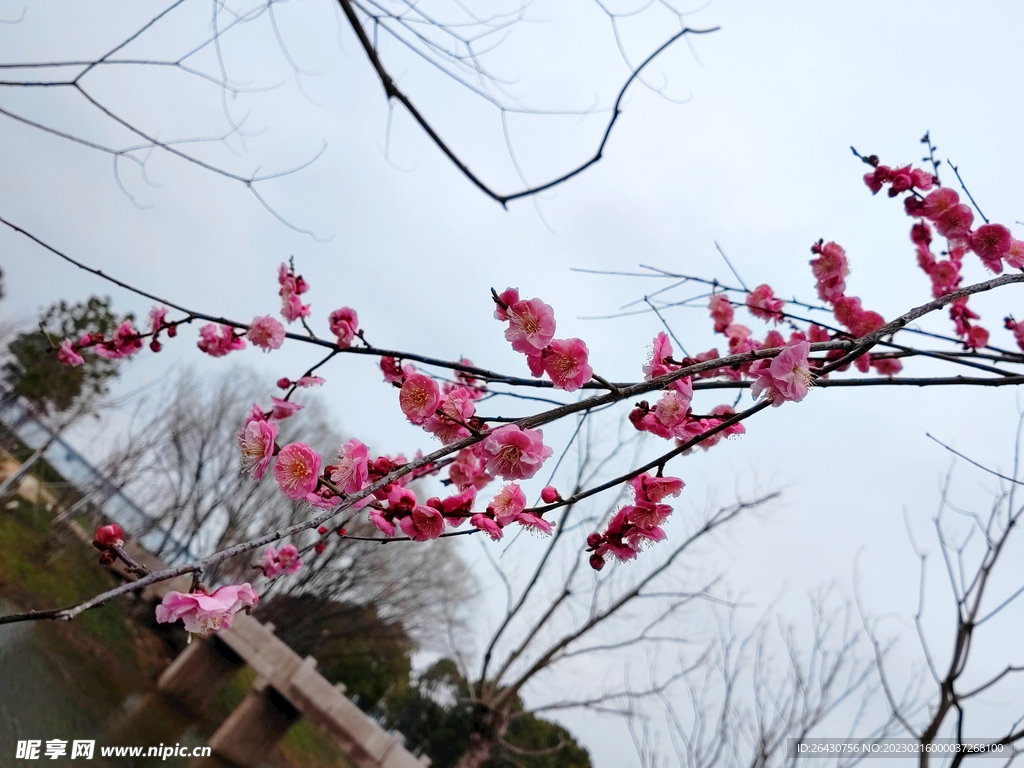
[(762, 304), (648, 515), (266, 332), (297, 470), (830, 270), (992, 243), (488, 525), (457, 507), (158, 319), (204, 613), (382, 521), (515, 453), (310, 381), (344, 324), (419, 397), (534, 523), (448, 421), (292, 286), (786, 377), (531, 325), (423, 524), (469, 468), (257, 441), (286, 560), (350, 471), (661, 352), (283, 409), (218, 340), (647, 487), (565, 361), (507, 504), (721, 311), (68, 355)]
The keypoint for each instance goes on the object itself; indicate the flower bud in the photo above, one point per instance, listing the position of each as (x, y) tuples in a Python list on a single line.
[(550, 495), (322, 530), (594, 540), (284, 383), (172, 331), (108, 536), (155, 345), (596, 562), (320, 548), (107, 558)]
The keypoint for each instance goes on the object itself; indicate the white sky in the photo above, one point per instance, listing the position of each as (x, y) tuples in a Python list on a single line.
[(758, 160)]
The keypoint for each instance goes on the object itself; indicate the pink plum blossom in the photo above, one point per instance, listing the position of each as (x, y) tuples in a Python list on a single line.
[(565, 361), (531, 325), (647, 487), (309, 381), (648, 515), (266, 333), (68, 355), (534, 523), (350, 470), (488, 525), (218, 340), (344, 324), (508, 503), (257, 441), (286, 560), (786, 377), (469, 468), (661, 351), (283, 409), (383, 523), (515, 453), (419, 397), (762, 304), (297, 470), (204, 613), (158, 319), (423, 524), (992, 243), (721, 311), (449, 421)]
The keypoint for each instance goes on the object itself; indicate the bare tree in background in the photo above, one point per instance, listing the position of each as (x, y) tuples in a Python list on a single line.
[(965, 666), (558, 615), (453, 40)]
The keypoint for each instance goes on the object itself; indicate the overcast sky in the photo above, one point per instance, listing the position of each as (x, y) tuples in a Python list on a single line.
[(758, 158)]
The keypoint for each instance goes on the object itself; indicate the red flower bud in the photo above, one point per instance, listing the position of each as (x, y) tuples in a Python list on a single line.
[(343, 532), (172, 331), (596, 562), (107, 558), (109, 536), (550, 495), (155, 345), (320, 548), (284, 383), (322, 530)]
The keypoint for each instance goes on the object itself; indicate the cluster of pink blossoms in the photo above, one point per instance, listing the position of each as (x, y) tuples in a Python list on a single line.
[(830, 269), (993, 244), (531, 330), (638, 524), (672, 416), (124, 342), (292, 287), (285, 560)]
